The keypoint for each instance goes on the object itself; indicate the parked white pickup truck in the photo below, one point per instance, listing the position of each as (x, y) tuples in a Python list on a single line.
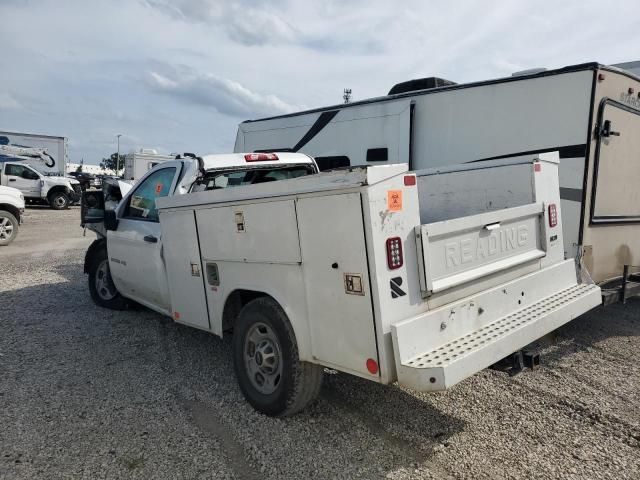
[(378, 272), (55, 191), (11, 211)]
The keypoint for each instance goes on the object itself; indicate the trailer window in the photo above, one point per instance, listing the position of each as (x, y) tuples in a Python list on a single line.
[(239, 178), (331, 163), (142, 203)]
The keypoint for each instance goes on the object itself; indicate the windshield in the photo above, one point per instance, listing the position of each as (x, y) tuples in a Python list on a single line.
[(244, 176)]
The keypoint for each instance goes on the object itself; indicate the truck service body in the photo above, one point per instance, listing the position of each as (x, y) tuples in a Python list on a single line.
[(590, 113), (361, 271)]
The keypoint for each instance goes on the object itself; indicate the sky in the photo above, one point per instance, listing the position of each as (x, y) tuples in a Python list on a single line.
[(179, 75)]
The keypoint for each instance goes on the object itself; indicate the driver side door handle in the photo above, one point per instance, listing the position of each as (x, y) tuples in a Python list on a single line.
[(151, 239)]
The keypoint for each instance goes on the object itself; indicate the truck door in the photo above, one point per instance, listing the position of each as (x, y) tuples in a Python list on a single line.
[(23, 178), (135, 248)]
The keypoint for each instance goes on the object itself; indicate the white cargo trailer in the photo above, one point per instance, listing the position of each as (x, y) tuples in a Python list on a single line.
[(590, 113), (136, 164), (56, 149)]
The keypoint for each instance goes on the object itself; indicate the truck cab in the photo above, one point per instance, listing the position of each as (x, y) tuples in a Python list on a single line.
[(131, 234), (58, 192)]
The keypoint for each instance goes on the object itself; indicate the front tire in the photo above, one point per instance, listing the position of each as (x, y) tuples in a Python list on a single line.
[(101, 287), (8, 227), (59, 201), (265, 358)]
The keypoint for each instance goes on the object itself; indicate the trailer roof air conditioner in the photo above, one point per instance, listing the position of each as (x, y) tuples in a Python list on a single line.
[(420, 84)]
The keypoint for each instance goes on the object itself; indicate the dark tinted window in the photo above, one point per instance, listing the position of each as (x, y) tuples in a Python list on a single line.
[(377, 155), (329, 163)]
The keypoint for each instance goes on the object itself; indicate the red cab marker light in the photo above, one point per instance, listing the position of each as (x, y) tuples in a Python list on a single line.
[(176, 315), (537, 167), (409, 180), (260, 157), (372, 366), (553, 215)]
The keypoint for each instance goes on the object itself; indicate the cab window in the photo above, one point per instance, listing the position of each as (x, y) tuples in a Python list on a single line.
[(242, 177), (21, 171), (142, 203)]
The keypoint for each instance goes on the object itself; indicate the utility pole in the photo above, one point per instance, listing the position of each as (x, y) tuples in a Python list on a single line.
[(347, 95), (118, 155)]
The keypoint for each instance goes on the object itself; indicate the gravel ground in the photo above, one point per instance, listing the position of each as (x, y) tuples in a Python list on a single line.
[(91, 393)]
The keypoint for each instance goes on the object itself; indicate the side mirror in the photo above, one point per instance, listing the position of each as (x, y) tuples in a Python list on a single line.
[(110, 220)]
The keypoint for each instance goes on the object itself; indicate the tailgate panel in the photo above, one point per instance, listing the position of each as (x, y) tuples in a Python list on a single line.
[(454, 252)]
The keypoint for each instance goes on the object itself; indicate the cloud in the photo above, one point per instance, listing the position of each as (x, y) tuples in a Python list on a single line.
[(225, 96), (8, 102)]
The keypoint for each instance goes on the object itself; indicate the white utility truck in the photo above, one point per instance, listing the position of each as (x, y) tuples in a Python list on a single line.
[(39, 184), (11, 211), (590, 113), (376, 271)]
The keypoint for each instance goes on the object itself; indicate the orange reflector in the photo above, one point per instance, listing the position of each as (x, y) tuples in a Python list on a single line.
[(372, 366)]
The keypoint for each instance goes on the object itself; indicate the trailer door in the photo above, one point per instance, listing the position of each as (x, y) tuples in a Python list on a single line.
[(616, 180)]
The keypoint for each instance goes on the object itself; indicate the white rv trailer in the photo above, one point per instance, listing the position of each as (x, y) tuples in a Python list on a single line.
[(590, 113), (136, 164)]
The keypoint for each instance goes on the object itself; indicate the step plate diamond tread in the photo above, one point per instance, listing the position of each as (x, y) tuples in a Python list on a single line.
[(474, 341)]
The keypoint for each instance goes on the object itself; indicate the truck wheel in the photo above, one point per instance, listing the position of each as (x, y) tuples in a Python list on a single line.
[(103, 292), (265, 357), (8, 227), (59, 201)]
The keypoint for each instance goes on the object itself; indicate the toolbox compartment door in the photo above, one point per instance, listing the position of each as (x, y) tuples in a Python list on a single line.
[(181, 250), (459, 251), (336, 280)]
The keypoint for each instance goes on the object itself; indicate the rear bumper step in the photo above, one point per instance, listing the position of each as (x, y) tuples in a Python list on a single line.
[(443, 367)]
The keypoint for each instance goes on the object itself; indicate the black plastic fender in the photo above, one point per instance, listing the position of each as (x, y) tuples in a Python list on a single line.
[(88, 257)]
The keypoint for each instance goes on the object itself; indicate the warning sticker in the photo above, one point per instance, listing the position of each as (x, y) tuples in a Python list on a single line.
[(158, 188), (394, 200)]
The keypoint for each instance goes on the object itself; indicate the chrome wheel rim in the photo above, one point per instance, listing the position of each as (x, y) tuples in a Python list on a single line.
[(60, 201), (263, 358), (104, 285), (6, 228)]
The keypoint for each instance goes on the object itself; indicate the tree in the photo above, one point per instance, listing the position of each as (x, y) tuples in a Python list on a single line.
[(111, 162)]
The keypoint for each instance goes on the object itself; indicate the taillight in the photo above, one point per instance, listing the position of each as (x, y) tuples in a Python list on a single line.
[(553, 215), (394, 253), (260, 157)]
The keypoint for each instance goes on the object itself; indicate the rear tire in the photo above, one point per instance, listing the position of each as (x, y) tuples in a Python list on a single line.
[(265, 358), (103, 292), (8, 227), (59, 201)]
